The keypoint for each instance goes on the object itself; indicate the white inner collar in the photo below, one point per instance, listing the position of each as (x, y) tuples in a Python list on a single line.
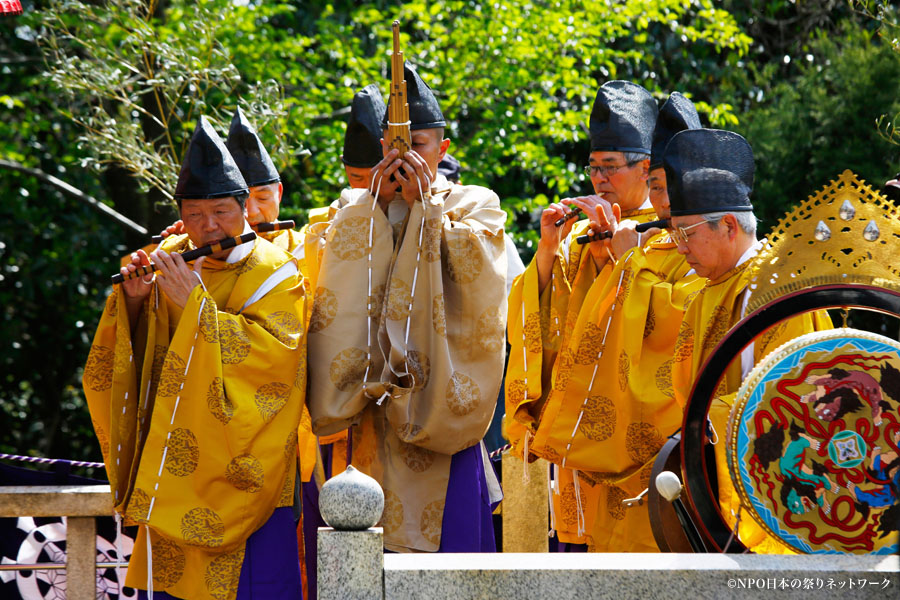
[(241, 251)]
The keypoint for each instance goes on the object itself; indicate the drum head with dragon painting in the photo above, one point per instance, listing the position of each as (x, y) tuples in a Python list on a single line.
[(814, 443)]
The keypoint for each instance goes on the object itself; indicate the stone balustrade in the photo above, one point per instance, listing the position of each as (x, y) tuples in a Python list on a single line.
[(352, 566)]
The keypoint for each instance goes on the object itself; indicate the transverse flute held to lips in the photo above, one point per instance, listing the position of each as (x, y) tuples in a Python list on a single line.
[(190, 255), (257, 227), (640, 228)]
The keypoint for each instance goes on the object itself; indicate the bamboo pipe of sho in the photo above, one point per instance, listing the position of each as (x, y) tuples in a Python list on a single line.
[(640, 228), (190, 255), (398, 135), (257, 227)]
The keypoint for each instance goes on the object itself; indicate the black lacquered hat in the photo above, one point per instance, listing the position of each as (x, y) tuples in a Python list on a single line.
[(622, 118), (208, 170), (676, 114), (424, 110), (708, 170), (362, 142), (249, 153)]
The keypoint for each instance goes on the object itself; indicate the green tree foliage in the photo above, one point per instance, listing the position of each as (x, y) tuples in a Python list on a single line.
[(136, 78), (55, 255), (824, 121)]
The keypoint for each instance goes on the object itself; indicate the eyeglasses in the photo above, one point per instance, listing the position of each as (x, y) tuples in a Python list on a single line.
[(680, 234), (607, 170)]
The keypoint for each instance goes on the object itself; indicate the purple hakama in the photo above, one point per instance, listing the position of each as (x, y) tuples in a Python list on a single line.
[(271, 567), (467, 524)]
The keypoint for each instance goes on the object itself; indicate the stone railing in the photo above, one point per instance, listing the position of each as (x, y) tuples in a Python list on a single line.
[(352, 566), (80, 505)]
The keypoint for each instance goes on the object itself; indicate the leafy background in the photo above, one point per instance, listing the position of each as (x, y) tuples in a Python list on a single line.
[(103, 94)]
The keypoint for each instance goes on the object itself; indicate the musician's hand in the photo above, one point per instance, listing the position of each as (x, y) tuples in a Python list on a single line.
[(176, 279), (137, 289), (588, 206), (551, 237), (382, 172), (603, 217), (415, 177), (176, 228)]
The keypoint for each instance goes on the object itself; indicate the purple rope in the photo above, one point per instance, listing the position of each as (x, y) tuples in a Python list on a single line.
[(50, 461)]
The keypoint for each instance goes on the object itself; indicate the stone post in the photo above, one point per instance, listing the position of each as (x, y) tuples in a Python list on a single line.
[(350, 564), (351, 552), (81, 554), (525, 507)]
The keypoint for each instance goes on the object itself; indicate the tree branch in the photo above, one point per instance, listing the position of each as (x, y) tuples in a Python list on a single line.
[(73, 192)]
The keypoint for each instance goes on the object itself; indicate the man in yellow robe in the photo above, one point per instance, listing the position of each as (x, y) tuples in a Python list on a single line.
[(547, 301), (710, 176), (263, 181), (406, 338), (620, 427), (195, 382)]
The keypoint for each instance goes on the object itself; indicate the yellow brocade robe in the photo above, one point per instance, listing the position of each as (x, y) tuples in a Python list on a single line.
[(291, 241), (715, 310), (539, 326), (612, 412), (197, 415), (413, 359)]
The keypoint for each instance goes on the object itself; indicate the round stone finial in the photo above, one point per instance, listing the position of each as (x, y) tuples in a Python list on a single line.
[(351, 501)]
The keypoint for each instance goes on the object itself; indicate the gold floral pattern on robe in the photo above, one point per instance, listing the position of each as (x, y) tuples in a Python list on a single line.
[(437, 315), (168, 563), (218, 403), (599, 420), (325, 308), (349, 240), (98, 372), (246, 473), (223, 574), (183, 452), (392, 517)]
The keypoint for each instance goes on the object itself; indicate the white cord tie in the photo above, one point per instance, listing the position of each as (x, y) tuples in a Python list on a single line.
[(579, 507), (149, 564)]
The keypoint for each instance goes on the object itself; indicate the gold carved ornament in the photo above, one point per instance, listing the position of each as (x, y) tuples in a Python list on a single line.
[(846, 233)]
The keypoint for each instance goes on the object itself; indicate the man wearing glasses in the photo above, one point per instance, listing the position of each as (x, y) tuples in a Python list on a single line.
[(710, 177), (547, 300), (627, 410)]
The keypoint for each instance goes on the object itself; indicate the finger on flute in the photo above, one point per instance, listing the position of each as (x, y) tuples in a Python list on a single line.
[(569, 216), (258, 227)]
